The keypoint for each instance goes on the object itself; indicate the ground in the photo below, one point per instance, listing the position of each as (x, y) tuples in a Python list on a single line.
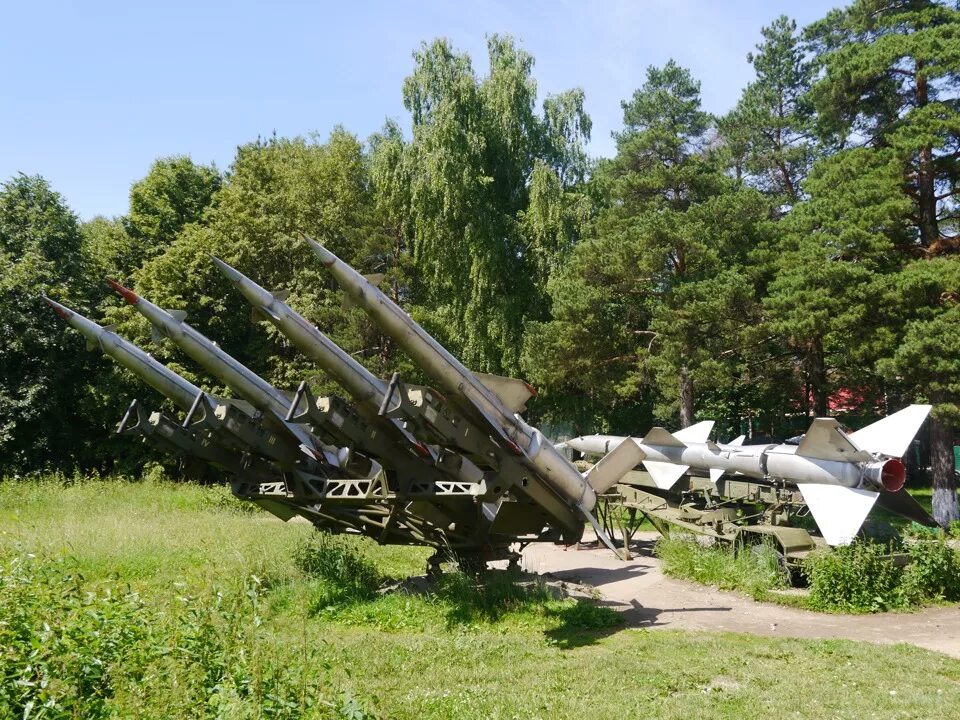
[(401, 655), (650, 600)]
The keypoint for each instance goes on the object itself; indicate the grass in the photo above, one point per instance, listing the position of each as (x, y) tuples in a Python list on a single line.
[(167, 600), (755, 572)]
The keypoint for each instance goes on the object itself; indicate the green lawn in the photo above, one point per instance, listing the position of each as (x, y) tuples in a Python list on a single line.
[(164, 600)]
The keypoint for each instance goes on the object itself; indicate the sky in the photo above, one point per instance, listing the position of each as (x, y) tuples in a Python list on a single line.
[(93, 92)]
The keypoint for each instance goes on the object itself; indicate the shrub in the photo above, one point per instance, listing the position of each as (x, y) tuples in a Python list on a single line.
[(933, 572), (345, 573), (854, 578)]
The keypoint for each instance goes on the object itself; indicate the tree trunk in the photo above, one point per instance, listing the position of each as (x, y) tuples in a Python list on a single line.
[(817, 374), (945, 507), (686, 398)]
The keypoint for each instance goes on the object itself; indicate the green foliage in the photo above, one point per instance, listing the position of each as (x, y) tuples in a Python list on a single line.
[(755, 570), (72, 649), (479, 195), (933, 573), (346, 575), (40, 253), (768, 134), (174, 193), (853, 578)]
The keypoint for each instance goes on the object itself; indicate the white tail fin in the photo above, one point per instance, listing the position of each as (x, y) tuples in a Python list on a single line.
[(699, 433), (892, 435), (737, 441), (664, 474), (614, 465), (716, 474), (838, 511)]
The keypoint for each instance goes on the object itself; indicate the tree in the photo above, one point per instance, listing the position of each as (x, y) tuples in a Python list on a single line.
[(276, 190), (109, 249), (41, 366), (174, 193), (478, 195), (832, 250), (770, 132), (889, 73), (654, 297)]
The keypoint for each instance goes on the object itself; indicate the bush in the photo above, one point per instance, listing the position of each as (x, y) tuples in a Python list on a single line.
[(754, 572), (933, 573), (854, 578), (345, 573)]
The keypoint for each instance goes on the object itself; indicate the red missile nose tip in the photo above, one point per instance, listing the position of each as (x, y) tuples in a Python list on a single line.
[(127, 294), (58, 309)]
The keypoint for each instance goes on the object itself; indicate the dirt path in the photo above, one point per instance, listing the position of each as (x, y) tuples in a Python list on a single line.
[(651, 600)]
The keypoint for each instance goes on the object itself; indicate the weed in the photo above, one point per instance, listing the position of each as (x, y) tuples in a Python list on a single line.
[(853, 578), (754, 572), (933, 573), (345, 574)]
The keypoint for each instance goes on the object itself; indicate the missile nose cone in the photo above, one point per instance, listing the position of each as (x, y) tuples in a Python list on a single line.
[(231, 274), (59, 309), (326, 257), (129, 295)]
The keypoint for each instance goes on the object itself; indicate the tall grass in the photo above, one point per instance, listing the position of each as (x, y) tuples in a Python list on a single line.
[(755, 571)]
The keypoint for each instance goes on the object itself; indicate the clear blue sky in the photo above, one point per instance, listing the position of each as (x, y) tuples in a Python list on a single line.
[(93, 92)]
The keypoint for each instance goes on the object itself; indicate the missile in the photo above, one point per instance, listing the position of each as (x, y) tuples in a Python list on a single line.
[(228, 420), (491, 409), (155, 374), (840, 475), (360, 383), (367, 389), (261, 394)]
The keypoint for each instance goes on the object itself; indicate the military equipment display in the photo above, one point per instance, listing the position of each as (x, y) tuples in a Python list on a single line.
[(453, 468), (456, 468), (739, 493)]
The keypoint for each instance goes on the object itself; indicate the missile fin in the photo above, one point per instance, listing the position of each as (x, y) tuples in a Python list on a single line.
[(902, 503), (892, 435), (614, 465), (716, 474), (280, 295), (699, 432), (826, 440), (664, 474), (156, 337), (737, 441), (374, 279), (838, 511), (178, 315), (513, 392), (660, 436)]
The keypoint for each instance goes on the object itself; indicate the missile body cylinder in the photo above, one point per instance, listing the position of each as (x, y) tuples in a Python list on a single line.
[(360, 383), (761, 462), (248, 384), (161, 378), (552, 467), (367, 389)]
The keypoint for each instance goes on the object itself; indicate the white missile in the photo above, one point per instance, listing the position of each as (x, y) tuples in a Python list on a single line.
[(840, 475)]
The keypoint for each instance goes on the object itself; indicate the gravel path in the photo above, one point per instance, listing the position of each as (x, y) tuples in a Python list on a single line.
[(650, 600)]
